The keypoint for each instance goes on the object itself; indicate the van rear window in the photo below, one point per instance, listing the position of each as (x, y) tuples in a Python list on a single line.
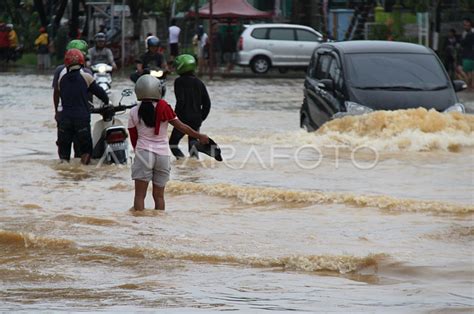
[(259, 33)]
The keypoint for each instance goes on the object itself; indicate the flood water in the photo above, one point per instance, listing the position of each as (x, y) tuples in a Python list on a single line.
[(370, 214)]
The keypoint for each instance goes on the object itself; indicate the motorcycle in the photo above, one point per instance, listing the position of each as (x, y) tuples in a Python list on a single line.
[(102, 75), (109, 135), (159, 73)]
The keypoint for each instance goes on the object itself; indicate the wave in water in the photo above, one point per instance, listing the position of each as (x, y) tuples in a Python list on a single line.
[(454, 234), (311, 263), (87, 220), (401, 130), (29, 240), (259, 195)]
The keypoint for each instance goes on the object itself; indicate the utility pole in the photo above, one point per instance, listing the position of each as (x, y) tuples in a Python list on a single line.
[(211, 32)]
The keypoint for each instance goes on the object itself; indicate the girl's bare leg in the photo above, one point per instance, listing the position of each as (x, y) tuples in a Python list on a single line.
[(159, 197), (140, 194)]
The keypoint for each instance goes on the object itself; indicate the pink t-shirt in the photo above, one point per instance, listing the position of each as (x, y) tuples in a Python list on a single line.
[(147, 139)]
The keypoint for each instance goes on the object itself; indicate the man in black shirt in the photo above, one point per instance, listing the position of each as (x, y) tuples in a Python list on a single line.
[(150, 59), (192, 103), (73, 117), (467, 52)]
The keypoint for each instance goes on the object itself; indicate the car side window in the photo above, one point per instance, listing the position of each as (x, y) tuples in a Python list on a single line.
[(304, 35), (282, 34), (322, 67), (334, 73), (259, 33)]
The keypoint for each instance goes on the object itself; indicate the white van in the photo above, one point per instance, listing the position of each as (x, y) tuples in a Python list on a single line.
[(262, 46)]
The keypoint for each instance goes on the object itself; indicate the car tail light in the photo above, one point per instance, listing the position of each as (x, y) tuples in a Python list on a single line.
[(241, 43), (115, 137)]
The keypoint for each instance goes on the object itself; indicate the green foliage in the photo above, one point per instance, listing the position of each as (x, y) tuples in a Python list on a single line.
[(379, 32), (407, 18), (418, 5), (27, 59), (467, 5)]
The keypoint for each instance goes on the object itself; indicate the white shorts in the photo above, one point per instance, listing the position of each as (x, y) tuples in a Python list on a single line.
[(148, 166)]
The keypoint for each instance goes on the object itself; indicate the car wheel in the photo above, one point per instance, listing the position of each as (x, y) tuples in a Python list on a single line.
[(260, 65), (283, 70)]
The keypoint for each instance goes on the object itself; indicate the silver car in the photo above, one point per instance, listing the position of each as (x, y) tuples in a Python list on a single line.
[(262, 46)]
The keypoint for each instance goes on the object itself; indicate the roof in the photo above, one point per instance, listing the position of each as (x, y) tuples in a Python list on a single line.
[(277, 25), (231, 9), (367, 46)]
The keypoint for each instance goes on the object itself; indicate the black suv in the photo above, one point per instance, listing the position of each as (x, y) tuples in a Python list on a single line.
[(357, 77)]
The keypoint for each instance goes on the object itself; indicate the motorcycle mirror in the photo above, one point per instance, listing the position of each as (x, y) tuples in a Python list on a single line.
[(127, 92)]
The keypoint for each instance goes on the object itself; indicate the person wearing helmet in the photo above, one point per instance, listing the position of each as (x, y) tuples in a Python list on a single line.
[(101, 54), (73, 117), (151, 58), (13, 42), (192, 103), (148, 128), (60, 71), (42, 54)]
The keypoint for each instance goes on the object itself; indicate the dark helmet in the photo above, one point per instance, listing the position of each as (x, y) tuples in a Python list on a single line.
[(153, 41), (200, 30), (99, 37)]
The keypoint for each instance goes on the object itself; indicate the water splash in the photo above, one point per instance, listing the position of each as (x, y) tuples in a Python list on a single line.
[(402, 130)]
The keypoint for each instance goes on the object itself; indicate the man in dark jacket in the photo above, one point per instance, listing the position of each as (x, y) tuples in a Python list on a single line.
[(192, 103), (73, 116), (150, 59)]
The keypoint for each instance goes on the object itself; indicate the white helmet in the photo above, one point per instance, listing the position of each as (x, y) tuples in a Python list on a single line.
[(148, 87)]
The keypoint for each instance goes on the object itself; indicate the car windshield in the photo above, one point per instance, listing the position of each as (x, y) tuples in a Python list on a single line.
[(395, 71)]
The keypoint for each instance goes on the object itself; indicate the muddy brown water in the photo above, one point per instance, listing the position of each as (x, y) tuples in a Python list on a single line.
[(371, 213)]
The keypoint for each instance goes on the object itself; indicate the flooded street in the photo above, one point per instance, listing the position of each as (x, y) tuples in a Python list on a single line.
[(370, 213)]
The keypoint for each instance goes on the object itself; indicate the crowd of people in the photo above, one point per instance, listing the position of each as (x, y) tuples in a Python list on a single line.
[(73, 83), (459, 53), (223, 48)]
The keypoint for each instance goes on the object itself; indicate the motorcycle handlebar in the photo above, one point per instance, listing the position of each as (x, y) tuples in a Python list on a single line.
[(112, 108)]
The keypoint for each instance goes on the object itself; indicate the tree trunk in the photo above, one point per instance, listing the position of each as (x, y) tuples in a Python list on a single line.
[(74, 25), (136, 12), (39, 6), (196, 11), (60, 13)]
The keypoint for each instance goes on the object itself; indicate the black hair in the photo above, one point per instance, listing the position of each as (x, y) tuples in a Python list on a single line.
[(146, 112), (173, 22), (467, 19)]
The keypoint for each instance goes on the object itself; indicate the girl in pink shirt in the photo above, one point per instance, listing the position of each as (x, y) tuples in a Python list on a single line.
[(148, 128)]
